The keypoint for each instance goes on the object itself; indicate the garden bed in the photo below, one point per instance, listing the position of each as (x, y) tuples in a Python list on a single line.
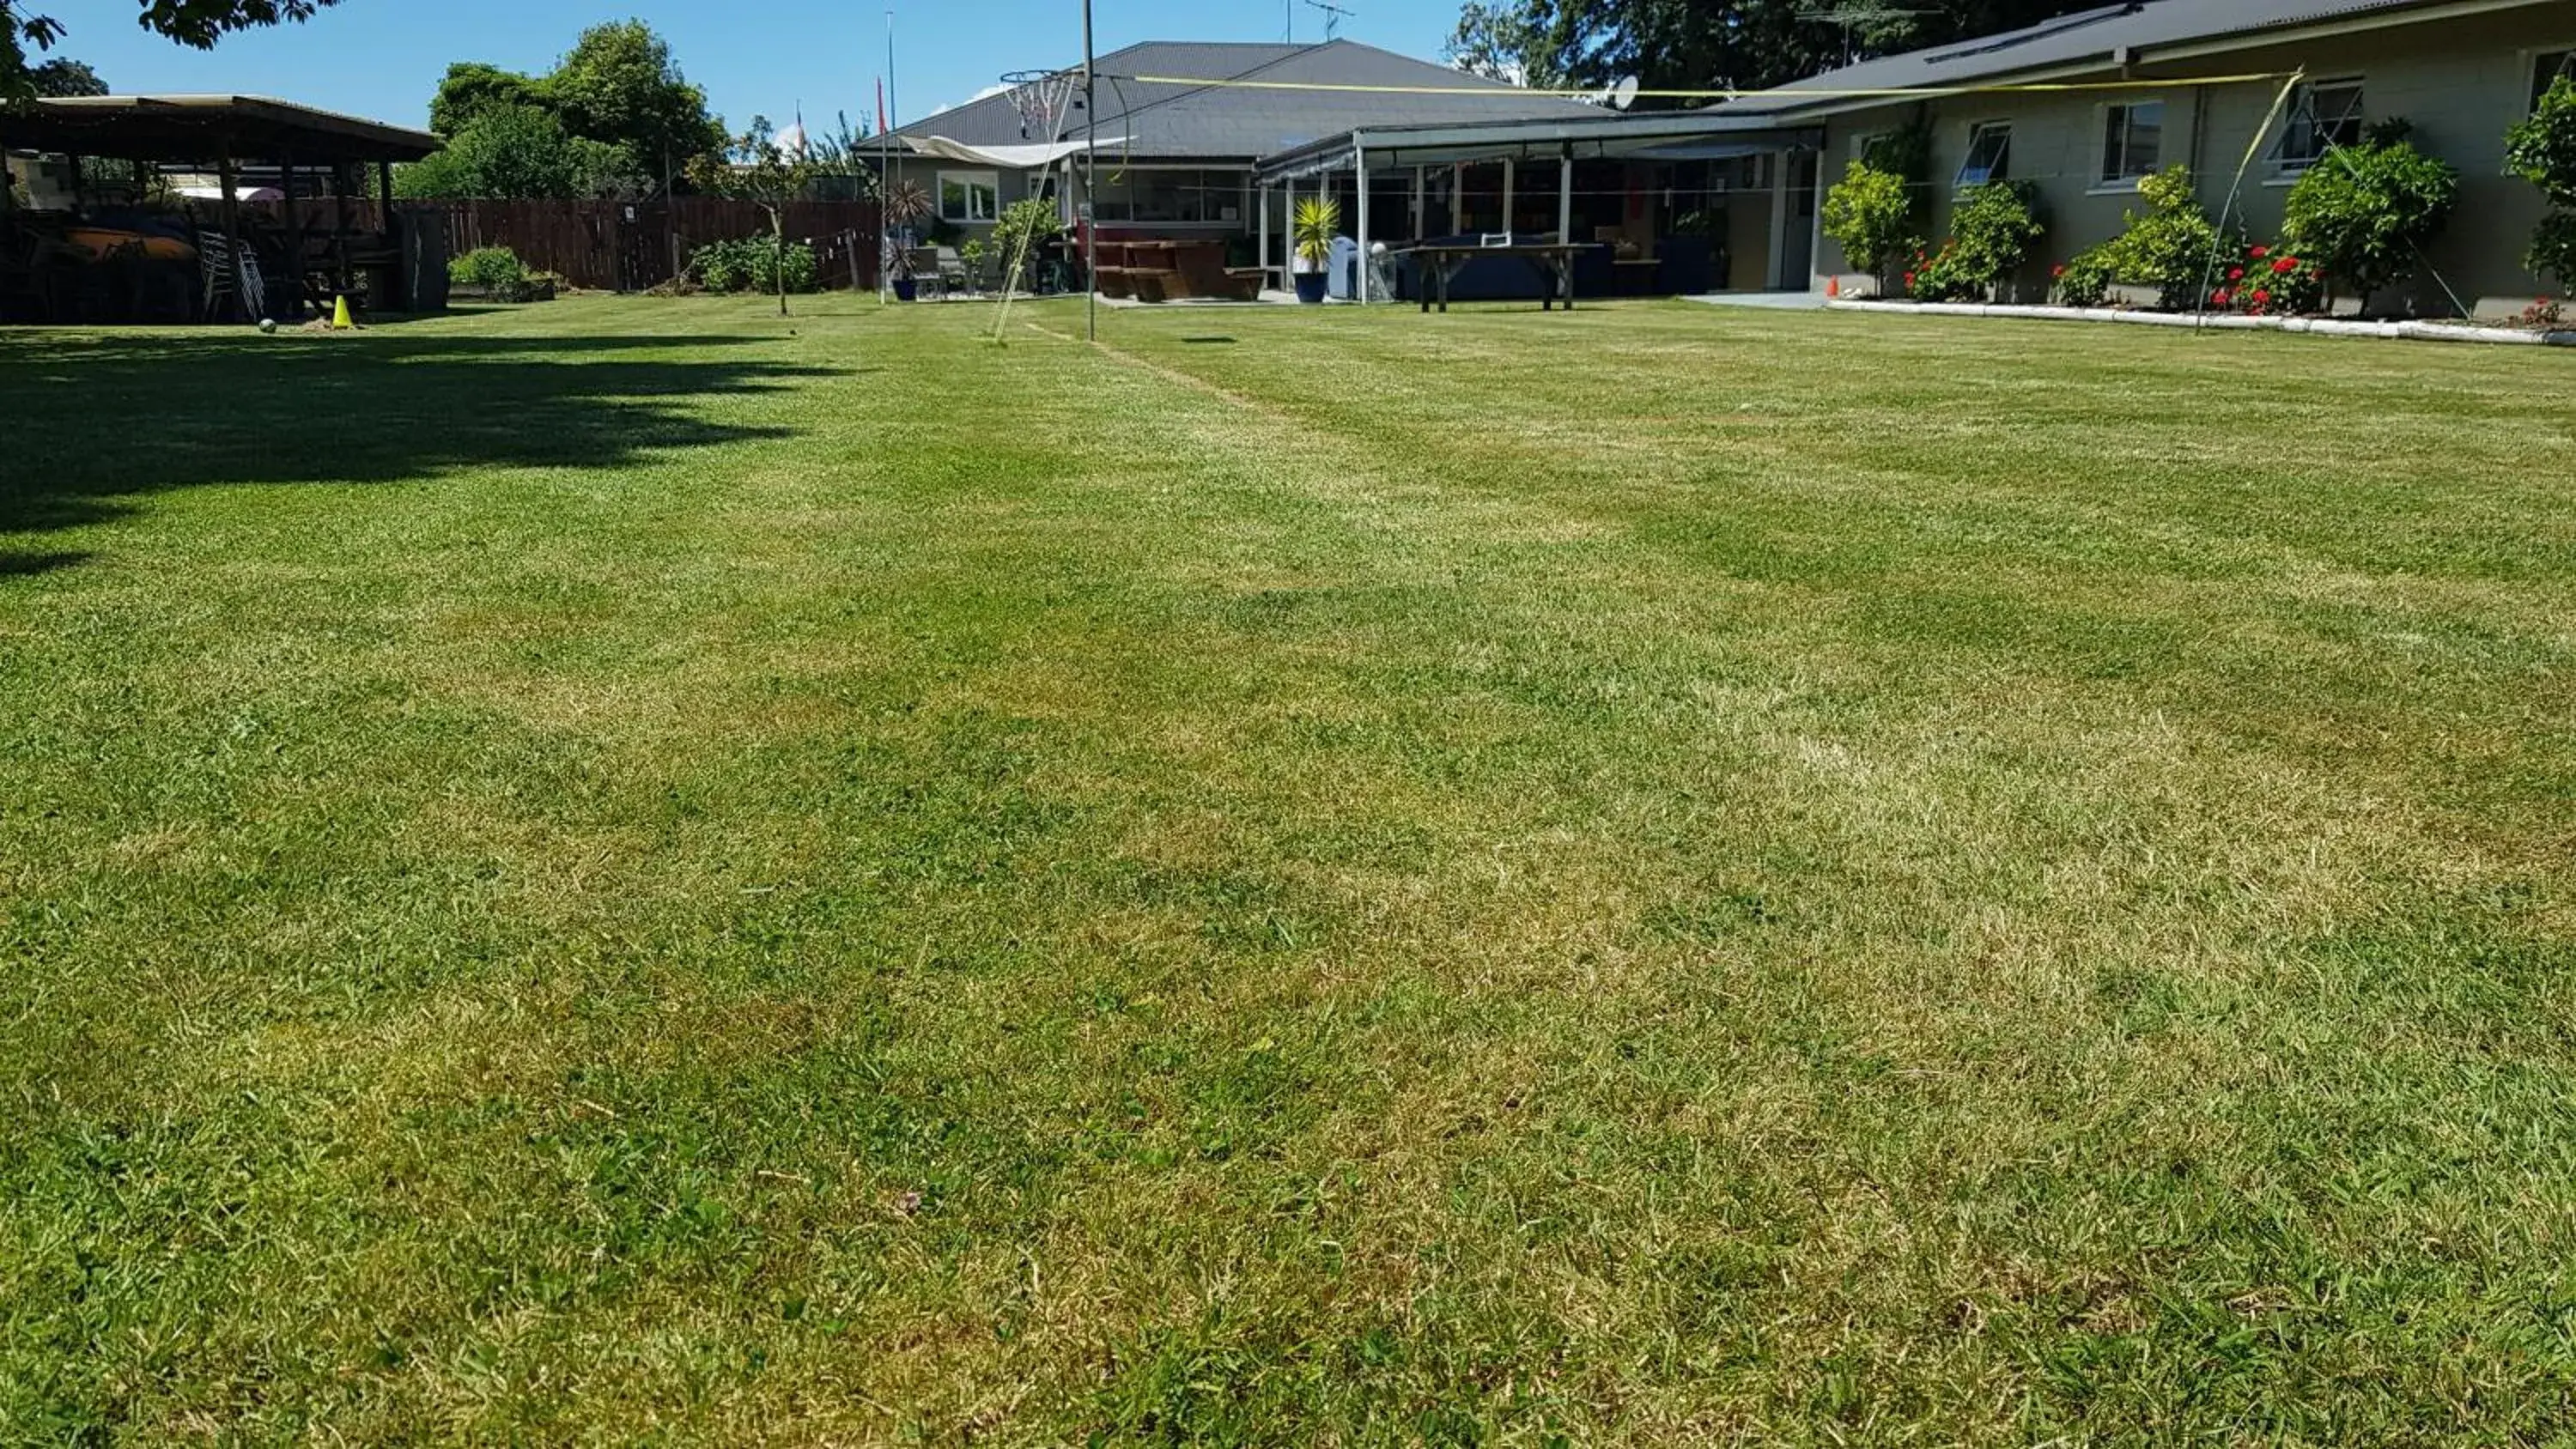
[(2414, 331)]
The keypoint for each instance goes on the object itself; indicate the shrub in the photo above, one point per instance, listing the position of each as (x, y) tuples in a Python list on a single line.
[(1870, 215), (2270, 281), (2364, 213), (2542, 151), (1993, 228), (1023, 228), (2085, 279), (1940, 277), (487, 269), (750, 264)]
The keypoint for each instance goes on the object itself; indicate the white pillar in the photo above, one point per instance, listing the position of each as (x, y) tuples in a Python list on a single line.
[(1511, 180), (1565, 197), (1261, 229), (1359, 170)]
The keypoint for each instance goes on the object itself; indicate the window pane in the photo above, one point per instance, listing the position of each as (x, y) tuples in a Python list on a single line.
[(2547, 69), (2146, 137), (1989, 155), (2115, 135)]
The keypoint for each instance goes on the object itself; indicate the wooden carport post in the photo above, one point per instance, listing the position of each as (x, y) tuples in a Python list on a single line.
[(340, 224), (294, 237)]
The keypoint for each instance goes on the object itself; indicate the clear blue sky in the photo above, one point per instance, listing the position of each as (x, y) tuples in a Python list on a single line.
[(382, 58)]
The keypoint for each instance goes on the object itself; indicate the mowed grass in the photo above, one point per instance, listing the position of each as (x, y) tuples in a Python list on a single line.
[(616, 872)]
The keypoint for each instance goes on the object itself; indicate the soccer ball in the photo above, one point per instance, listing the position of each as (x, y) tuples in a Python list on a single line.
[(267, 324)]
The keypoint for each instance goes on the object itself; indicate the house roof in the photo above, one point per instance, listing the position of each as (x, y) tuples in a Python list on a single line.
[(1160, 118), (207, 128), (2096, 37)]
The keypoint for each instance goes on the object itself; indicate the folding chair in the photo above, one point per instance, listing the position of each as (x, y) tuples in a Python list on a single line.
[(230, 278)]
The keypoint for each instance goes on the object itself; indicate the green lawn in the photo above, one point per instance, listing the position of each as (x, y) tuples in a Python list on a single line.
[(619, 872)]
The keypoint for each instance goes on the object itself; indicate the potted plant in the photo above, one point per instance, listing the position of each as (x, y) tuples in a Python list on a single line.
[(906, 203), (1318, 221)]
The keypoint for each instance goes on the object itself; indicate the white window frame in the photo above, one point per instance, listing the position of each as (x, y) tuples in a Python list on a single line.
[(2105, 176), (1977, 129), (2304, 100), (2531, 60), (1863, 140), (990, 182)]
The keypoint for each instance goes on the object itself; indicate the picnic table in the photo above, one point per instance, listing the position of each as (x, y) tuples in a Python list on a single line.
[(1554, 262)]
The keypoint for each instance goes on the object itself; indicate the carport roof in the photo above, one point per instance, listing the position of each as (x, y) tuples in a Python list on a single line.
[(206, 128)]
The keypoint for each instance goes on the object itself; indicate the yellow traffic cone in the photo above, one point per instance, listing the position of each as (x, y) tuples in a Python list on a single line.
[(340, 321)]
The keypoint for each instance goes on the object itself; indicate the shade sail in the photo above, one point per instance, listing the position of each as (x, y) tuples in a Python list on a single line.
[(1005, 158)]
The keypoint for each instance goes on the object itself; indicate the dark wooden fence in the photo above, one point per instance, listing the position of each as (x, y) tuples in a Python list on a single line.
[(627, 246)]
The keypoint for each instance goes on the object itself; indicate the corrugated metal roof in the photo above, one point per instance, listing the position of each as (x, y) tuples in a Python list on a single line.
[(2072, 40), (1164, 120)]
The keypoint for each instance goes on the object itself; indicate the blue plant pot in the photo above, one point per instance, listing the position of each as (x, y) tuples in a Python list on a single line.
[(906, 289), (1312, 286)]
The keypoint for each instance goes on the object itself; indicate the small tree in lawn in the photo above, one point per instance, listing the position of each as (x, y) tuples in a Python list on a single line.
[(753, 167), (1870, 215), (2542, 151)]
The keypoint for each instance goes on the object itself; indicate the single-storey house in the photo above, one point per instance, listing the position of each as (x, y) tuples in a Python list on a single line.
[(1180, 128), (2199, 82)]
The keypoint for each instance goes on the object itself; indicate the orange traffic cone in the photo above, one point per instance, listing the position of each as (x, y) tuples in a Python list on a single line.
[(1833, 286), (340, 321)]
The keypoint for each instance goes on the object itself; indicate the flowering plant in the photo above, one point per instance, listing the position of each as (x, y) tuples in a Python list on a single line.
[(2545, 315), (2268, 281)]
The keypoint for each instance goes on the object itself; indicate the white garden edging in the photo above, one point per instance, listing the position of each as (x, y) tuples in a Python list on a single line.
[(2228, 322)]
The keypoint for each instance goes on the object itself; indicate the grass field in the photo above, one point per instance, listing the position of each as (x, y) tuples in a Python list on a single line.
[(615, 872)]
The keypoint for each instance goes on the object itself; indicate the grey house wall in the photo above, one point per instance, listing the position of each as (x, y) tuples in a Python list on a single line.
[(2462, 81)]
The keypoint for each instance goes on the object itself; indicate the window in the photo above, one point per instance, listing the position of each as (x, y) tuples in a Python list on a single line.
[(2549, 68), (2133, 141), (1989, 153), (1149, 194), (969, 195), (2323, 116)]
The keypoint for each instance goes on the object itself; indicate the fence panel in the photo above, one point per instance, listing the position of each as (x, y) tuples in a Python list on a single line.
[(627, 246)]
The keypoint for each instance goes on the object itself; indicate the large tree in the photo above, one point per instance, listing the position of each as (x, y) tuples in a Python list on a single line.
[(617, 88), (63, 76), (517, 153), (190, 22), (1711, 44)]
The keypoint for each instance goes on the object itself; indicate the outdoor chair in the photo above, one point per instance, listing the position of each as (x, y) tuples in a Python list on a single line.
[(927, 277), (226, 282), (952, 271)]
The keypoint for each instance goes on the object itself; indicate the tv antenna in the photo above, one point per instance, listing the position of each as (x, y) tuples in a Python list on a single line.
[(1852, 17), (1334, 15)]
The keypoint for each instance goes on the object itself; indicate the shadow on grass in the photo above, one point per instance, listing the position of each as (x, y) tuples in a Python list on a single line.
[(100, 419)]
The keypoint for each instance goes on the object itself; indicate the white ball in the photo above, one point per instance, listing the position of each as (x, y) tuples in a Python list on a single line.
[(1377, 249), (267, 324)]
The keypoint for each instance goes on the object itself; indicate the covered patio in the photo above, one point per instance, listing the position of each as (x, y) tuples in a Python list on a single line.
[(1661, 203), (114, 238)]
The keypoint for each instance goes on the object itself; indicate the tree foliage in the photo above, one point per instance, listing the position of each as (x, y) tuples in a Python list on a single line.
[(199, 23), (66, 77), (617, 88), (754, 167), (1705, 44), (520, 153)]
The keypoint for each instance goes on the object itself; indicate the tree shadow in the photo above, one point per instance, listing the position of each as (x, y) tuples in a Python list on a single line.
[(98, 420)]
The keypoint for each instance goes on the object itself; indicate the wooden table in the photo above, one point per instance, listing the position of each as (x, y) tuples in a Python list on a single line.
[(1554, 262)]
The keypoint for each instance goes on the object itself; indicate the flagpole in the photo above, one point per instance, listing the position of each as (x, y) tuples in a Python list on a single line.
[(885, 172), (1090, 180)]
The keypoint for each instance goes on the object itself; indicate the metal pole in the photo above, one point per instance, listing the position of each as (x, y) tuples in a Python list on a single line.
[(1090, 175), (885, 177), (1359, 172)]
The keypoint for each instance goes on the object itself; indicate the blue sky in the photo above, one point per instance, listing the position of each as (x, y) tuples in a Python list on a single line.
[(382, 58)]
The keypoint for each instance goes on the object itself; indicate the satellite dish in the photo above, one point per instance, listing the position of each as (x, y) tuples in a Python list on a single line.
[(1624, 94)]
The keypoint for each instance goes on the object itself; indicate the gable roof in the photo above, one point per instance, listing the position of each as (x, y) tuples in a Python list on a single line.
[(2086, 38), (1159, 118)]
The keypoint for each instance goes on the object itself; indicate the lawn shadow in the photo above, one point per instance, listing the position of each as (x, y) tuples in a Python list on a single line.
[(100, 420)]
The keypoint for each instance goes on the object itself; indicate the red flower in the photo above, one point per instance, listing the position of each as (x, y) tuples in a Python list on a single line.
[(2263, 298), (2221, 298), (2236, 274), (2060, 270), (2259, 253), (2285, 266), (1909, 281)]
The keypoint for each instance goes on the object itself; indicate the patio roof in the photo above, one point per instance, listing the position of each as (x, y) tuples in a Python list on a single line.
[(1651, 135), (206, 128)]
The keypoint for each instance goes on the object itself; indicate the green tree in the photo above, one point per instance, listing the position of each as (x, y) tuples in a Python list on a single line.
[(2542, 151), (753, 167), (1870, 214), (619, 85), (66, 77), (1705, 44), (199, 23), (2363, 213), (517, 153), (471, 88)]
